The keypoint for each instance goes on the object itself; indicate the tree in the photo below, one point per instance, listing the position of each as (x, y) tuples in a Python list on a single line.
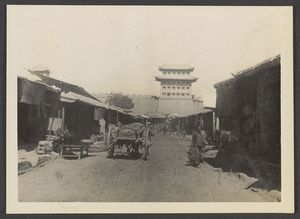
[(120, 100)]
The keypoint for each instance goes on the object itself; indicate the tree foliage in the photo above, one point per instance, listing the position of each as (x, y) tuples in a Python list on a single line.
[(120, 100)]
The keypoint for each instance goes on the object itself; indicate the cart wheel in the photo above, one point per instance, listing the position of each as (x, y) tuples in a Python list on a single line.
[(111, 150), (135, 151)]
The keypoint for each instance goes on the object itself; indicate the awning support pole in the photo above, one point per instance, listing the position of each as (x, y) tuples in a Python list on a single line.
[(54, 113)]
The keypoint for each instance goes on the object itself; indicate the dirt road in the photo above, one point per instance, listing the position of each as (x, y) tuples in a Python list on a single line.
[(165, 177)]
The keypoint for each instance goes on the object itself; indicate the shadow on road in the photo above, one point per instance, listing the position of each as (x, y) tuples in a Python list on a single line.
[(127, 156), (76, 158), (189, 163), (232, 163)]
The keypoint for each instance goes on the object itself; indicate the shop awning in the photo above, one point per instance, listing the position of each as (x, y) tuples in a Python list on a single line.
[(156, 115), (71, 97)]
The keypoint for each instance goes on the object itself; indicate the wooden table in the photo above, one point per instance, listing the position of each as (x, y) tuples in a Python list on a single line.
[(66, 150)]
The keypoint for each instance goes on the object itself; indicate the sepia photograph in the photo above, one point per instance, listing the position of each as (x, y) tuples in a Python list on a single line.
[(149, 109)]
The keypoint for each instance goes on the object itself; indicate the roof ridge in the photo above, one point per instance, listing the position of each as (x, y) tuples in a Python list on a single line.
[(274, 59)]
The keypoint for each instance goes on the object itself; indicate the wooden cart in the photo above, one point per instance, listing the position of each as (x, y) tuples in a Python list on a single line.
[(132, 144)]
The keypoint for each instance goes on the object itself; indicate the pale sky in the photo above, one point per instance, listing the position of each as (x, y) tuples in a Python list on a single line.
[(110, 48)]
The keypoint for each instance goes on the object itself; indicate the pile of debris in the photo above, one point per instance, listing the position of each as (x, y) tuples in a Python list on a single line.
[(31, 159)]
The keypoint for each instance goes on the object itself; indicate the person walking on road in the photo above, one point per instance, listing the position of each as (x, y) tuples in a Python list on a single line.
[(197, 144), (164, 129), (177, 129), (158, 128)]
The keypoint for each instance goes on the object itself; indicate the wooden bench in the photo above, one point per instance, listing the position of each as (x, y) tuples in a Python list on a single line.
[(66, 150)]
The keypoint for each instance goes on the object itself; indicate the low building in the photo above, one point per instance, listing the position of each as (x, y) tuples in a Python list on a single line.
[(35, 99), (41, 98), (248, 106)]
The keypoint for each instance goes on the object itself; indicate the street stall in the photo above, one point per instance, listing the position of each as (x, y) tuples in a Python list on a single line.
[(72, 114), (34, 107), (70, 150)]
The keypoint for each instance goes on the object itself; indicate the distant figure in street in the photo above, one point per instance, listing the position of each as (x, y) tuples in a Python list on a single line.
[(197, 144), (149, 131), (177, 129), (164, 129), (158, 128), (183, 133)]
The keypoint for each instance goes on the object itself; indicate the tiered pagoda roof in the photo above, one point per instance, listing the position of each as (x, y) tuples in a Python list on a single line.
[(176, 67)]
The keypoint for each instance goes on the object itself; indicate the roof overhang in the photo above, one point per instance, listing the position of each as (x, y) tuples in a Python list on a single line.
[(175, 69), (252, 70), (159, 78)]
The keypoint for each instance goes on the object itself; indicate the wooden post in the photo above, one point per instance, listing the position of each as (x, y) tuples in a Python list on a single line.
[(79, 123), (214, 122), (186, 122), (63, 120), (61, 150), (73, 118), (54, 112), (201, 121), (81, 152)]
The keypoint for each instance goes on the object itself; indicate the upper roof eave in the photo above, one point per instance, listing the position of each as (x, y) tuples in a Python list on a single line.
[(160, 68), (158, 78)]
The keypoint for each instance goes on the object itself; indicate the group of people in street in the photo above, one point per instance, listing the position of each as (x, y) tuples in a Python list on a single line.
[(164, 129), (199, 137)]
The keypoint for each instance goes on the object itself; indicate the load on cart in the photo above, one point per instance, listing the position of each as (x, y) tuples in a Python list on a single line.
[(134, 137)]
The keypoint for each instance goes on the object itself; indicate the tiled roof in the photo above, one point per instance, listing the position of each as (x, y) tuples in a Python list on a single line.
[(39, 68), (252, 70), (175, 67), (72, 97), (66, 87), (156, 115), (31, 77)]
